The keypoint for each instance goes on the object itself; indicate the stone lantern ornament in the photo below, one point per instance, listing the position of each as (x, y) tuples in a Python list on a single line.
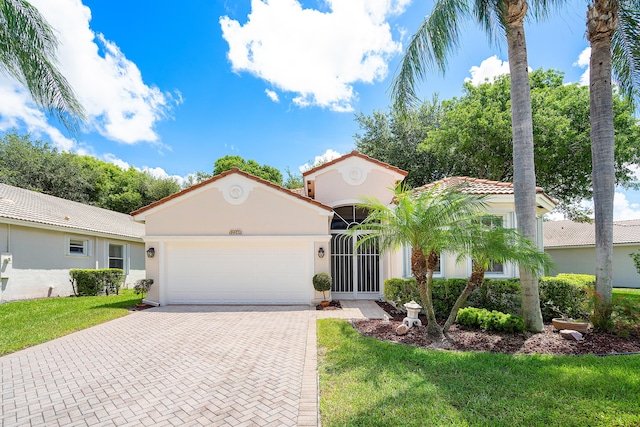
[(413, 310)]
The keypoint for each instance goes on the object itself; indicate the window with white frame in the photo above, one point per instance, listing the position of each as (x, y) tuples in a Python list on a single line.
[(117, 256), (406, 261), (77, 246), (496, 268)]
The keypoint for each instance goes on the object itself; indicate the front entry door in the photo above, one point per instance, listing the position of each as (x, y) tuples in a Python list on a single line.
[(355, 271)]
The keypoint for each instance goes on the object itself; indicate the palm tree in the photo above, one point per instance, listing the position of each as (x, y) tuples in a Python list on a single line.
[(27, 52), (429, 222), (436, 38), (613, 29), (494, 244)]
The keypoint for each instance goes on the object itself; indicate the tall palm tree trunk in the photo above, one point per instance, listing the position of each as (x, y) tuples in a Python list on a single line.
[(602, 21), (524, 175), (424, 280)]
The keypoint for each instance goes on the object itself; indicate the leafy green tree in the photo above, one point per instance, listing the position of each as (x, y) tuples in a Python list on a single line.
[(613, 30), (27, 52), (475, 132), (438, 35), (293, 180), (488, 244), (267, 172), (429, 222), (38, 166), (393, 137)]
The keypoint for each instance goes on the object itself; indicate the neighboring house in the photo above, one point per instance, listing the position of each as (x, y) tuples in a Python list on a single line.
[(238, 239), (42, 237), (572, 246)]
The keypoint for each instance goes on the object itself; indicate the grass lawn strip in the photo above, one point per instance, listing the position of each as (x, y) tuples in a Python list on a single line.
[(627, 293), (366, 382), (27, 323)]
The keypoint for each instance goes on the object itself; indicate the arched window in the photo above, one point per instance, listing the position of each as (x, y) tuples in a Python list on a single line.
[(345, 217)]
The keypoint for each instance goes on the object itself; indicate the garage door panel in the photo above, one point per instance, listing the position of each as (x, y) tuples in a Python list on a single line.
[(239, 273)]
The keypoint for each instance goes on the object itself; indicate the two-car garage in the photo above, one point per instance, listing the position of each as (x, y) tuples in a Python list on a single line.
[(239, 271)]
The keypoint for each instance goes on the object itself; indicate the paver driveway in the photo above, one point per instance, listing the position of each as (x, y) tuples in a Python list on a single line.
[(176, 365)]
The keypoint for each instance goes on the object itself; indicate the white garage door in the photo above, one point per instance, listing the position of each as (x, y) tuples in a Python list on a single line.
[(239, 273)]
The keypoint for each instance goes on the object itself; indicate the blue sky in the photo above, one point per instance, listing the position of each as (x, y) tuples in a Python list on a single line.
[(173, 88)]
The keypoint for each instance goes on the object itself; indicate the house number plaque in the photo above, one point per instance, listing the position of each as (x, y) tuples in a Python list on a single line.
[(235, 232)]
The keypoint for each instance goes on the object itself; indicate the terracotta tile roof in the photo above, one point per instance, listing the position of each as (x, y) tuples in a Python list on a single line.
[(356, 153), (476, 185), (30, 206), (299, 191), (569, 233), (222, 175)]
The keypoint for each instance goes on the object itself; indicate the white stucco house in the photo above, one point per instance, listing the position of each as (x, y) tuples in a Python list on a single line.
[(572, 246), (238, 239), (42, 237)]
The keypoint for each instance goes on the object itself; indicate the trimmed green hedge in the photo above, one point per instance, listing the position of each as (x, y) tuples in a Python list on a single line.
[(96, 282), (489, 320), (564, 295)]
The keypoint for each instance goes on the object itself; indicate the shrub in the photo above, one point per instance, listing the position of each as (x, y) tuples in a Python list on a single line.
[(489, 320), (626, 317), (142, 286), (322, 283), (498, 294), (95, 282), (494, 294), (565, 295)]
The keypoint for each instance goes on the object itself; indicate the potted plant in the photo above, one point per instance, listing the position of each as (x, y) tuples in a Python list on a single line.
[(322, 283), (142, 286)]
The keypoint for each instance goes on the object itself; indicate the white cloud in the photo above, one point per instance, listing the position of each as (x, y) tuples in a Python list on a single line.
[(17, 110), (119, 105), (272, 95), (623, 208), (111, 158), (583, 62), (318, 56), (325, 157), (156, 172), (488, 70)]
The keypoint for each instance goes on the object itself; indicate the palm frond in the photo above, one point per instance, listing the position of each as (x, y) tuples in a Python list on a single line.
[(27, 51), (625, 47), (429, 48)]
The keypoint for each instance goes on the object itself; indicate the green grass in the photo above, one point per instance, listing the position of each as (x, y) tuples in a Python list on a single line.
[(366, 382), (627, 293), (27, 323)]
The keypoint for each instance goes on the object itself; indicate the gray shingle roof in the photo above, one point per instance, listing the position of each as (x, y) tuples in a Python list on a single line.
[(25, 205), (568, 233)]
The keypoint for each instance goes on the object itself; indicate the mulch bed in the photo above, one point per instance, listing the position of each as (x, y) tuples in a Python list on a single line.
[(333, 305), (462, 339)]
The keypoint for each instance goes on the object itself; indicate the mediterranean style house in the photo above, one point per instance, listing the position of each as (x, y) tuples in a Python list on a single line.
[(238, 239), (42, 237)]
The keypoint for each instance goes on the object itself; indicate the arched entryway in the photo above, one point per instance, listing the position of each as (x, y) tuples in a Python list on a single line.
[(355, 270)]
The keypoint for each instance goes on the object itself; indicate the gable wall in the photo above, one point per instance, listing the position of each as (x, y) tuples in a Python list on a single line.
[(263, 213), (334, 188)]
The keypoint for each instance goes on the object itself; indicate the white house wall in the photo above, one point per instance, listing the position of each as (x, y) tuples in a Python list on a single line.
[(582, 260), (39, 265)]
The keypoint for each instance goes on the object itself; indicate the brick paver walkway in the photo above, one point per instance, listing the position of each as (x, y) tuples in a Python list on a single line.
[(177, 365)]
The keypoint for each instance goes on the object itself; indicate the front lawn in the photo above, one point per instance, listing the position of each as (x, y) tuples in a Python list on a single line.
[(27, 323), (366, 382), (627, 293)]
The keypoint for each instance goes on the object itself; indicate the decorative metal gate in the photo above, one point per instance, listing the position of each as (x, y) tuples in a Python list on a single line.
[(355, 271)]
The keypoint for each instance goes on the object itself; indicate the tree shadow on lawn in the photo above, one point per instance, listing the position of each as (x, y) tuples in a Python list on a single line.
[(406, 386)]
